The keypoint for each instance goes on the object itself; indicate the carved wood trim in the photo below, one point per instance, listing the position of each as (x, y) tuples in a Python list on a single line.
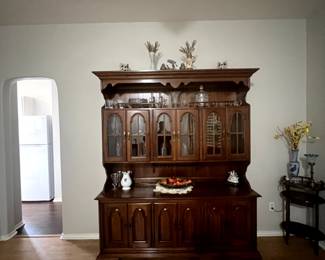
[(171, 78)]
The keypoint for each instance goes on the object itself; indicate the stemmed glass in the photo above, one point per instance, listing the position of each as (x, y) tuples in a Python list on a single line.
[(311, 160), (116, 179)]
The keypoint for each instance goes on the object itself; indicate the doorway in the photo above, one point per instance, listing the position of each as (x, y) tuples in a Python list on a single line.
[(39, 152)]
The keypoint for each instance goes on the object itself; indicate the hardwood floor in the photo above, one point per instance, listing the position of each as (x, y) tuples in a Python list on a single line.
[(52, 248), (41, 218)]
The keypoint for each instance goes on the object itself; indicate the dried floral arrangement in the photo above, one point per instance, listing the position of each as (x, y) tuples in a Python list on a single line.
[(154, 55), (152, 47), (294, 134), (188, 50)]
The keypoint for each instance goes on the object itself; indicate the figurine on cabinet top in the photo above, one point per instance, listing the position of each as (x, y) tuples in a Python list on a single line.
[(233, 178)]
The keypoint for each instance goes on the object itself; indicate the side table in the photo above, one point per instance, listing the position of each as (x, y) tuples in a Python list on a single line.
[(302, 191)]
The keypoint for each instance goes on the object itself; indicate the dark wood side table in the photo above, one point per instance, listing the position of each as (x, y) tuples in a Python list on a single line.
[(302, 191)]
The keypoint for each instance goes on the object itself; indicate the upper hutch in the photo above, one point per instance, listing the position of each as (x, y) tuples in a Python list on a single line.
[(184, 123)]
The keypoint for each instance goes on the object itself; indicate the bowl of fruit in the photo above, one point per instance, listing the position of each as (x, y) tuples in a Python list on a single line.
[(175, 182)]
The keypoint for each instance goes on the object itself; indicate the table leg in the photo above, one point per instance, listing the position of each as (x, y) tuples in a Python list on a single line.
[(287, 221), (316, 246)]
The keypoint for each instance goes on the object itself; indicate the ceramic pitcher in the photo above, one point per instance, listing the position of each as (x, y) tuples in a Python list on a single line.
[(126, 181)]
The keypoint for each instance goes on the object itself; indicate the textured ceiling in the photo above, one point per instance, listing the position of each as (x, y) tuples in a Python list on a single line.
[(17, 12)]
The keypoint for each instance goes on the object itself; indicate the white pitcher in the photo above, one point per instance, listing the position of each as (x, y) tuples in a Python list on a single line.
[(126, 181)]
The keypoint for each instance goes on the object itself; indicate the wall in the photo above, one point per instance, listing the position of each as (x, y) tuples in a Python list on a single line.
[(316, 94), (3, 188), (69, 53), (10, 198)]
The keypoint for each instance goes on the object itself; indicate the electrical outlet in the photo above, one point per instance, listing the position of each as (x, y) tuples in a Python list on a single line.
[(271, 206)]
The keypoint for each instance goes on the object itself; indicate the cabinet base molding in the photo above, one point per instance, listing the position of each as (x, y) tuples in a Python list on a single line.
[(245, 255)]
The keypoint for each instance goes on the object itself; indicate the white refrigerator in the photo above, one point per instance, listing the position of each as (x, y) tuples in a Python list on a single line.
[(36, 158)]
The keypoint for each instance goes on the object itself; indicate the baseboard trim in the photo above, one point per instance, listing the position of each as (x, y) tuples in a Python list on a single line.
[(269, 233), (57, 200), (80, 236), (12, 233), (8, 236), (19, 225)]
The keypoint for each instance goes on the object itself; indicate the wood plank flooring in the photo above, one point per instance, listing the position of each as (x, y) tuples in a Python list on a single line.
[(52, 248), (41, 218)]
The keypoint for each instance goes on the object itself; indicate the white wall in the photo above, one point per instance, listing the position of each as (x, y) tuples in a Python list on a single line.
[(68, 54), (316, 94), (9, 175)]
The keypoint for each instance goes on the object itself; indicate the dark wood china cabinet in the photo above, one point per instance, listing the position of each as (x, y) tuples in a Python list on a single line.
[(155, 125)]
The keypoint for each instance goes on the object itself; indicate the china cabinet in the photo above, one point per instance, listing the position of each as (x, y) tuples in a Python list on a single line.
[(186, 123)]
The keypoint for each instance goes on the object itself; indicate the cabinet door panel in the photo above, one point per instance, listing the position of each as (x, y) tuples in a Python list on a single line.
[(239, 223), (115, 225), (238, 141), (187, 135), (138, 135), (165, 223), (214, 141), (164, 135), (113, 135), (189, 224), (139, 219), (215, 224)]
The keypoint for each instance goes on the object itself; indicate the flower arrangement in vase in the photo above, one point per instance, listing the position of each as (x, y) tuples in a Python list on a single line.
[(154, 55), (188, 50), (293, 135)]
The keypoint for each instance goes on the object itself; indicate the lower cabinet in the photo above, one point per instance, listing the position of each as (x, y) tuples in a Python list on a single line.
[(165, 224), (215, 225), (177, 224), (228, 224), (126, 225), (196, 226), (239, 226)]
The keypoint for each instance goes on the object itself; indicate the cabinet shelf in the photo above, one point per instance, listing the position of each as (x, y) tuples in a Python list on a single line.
[(302, 230), (302, 198)]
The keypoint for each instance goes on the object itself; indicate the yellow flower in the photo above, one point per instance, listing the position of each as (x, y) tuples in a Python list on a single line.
[(294, 133)]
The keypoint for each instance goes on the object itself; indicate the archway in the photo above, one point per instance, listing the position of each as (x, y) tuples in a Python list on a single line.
[(12, 159)]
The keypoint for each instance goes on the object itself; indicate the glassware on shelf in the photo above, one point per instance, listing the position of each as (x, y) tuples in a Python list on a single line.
[(202, 96), (311, 160), (116, 179), (152, 99), (109, 103)]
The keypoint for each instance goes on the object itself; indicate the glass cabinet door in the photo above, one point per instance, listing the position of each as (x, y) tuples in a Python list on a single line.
[(238, 133), (114, 132), (213, 134), (187, 134), (164, 134), (138, 132)]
